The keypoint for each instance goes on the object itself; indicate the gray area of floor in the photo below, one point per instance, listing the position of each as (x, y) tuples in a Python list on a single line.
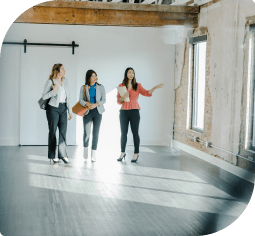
[(167, 192)]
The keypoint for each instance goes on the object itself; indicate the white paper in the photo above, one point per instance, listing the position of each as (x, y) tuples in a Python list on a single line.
[(122, 91)]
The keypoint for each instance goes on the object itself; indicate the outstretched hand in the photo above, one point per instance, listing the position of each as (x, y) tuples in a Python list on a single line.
[(160, 86)]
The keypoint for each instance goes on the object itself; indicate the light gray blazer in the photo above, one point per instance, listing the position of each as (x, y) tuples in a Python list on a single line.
[(100, 97), (54, 97)]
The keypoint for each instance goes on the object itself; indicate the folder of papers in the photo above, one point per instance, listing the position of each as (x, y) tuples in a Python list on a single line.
[(122, 91)]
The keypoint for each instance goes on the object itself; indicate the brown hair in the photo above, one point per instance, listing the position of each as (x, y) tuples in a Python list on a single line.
[(55, 70), (125, 80)]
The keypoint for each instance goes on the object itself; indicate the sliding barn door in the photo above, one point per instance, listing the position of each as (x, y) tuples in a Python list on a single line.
[(36, 67)]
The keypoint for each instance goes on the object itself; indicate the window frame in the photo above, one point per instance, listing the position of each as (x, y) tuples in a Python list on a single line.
[(251, 145), (195, 41), (252, 142)]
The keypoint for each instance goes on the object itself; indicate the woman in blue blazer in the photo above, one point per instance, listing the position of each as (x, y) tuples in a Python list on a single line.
[(95, 100)]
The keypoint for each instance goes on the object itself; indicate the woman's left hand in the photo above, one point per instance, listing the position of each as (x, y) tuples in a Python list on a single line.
[(70, 116), (94, 105), (160, 86)]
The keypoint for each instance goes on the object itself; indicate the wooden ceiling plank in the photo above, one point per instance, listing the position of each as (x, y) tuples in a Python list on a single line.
[(121, 6), (81, 16)]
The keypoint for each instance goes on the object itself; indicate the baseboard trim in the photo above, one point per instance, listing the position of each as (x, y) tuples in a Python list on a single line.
[(244, 174)]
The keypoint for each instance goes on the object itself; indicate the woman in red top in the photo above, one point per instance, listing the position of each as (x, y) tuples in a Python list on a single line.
[(130, 111)]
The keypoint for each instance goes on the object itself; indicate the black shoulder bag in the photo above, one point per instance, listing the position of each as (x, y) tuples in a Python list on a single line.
[(43, 104)]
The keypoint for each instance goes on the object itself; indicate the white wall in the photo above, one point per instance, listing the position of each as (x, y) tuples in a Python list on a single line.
[(108, 51), (9, 95)]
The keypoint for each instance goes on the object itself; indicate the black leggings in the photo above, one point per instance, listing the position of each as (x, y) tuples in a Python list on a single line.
[(57, 117), (132, 116)]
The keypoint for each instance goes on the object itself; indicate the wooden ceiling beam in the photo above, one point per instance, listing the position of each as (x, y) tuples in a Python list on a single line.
[(109, 14), (121, 6)]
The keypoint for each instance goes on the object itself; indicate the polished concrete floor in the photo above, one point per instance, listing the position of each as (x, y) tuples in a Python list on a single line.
[(167, 192)]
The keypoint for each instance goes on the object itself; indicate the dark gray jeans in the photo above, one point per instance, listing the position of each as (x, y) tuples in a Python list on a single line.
[(57, 117), (95, 118), (132, 117)]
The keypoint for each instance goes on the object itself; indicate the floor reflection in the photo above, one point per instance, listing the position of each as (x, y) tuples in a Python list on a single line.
[(167, 192), (125, 181)]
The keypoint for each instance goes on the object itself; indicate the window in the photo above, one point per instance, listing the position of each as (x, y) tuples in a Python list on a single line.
[(199, 75), (250, 111), (253, 122)]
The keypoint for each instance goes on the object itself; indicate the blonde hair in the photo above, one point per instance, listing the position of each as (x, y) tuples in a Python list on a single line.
[(55, 70)]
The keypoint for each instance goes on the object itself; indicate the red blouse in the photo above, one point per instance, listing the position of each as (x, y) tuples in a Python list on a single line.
[(133, 96)]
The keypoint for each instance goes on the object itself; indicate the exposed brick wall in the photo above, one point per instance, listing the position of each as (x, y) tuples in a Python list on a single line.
[(181, 97), (226, 81)]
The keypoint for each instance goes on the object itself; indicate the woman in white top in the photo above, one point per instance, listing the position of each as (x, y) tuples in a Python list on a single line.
[(57, 90)]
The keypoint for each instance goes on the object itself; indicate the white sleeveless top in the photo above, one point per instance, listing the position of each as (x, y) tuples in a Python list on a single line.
[(62, 95)]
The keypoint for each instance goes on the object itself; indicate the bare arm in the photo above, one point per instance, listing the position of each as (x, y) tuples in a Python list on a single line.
[(156, 87)]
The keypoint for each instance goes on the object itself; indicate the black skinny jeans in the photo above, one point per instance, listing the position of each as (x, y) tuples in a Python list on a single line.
[(92, 117), (57, 117), (132, 116)]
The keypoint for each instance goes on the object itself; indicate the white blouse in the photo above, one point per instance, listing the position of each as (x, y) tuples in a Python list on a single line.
[(62, 95)]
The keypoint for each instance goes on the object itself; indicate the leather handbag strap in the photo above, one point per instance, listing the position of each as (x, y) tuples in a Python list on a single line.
[(52, 83), (85, 94)]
